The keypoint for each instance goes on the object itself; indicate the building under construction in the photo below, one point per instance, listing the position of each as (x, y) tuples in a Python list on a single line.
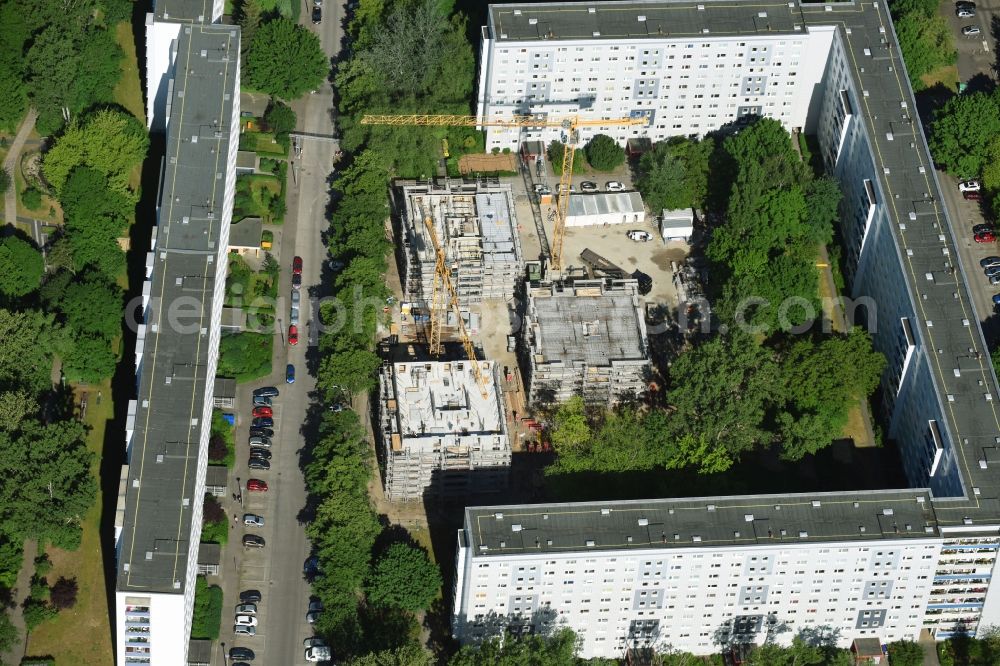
[(443, 429), (475, 226), (585, 338)]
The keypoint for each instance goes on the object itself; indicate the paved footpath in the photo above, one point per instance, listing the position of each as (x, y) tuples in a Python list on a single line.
[(22, 588), (10, 196)]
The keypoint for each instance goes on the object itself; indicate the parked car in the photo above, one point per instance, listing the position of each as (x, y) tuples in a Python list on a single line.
[(262, 422), (246, 609), (296, 299), (261, 432), (268, 391), (259, 440), (317, 653), (995, 280), (253, 541), (614, 186), (252, 520), (246, 620), (985, 237), (315, 605), (639, 236), (258, 485), (258, 464), (965, 4), (312, 616), (588, 186), (263, 454), (317, 15), (313, 641), (262, 411), (989, 261), (296, 280), (296, 265), (982, 228), (972, 196), (992, 270), (965, 13), (310, 568), (243, 630), (969, 186), (971, 30), (242, 653), (336, 408), (293, 335), (996, 299), (290, 374)]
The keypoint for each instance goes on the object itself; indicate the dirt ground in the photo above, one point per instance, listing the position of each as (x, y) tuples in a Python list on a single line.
[(473, 163)]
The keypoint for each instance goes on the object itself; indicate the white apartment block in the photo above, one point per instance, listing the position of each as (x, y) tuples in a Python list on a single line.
[(158, 522), (833, 70), (443, 429), (698, 574)]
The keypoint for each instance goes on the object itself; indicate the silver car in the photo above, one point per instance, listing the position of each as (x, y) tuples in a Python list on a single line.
[(244, 630), (253, 520)]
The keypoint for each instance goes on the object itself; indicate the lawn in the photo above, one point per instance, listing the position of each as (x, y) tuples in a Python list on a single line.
[(128, 92), (263, 144), (48, 206), (260, 196), (82, 634), (947, 76), (245, 356)]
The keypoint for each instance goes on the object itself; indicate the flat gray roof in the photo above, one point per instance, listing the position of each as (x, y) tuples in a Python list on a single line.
[(603, 203), (755, 520), (196, 11), (246, 233), (153, 550), (947, 317), (588, 324), (225, 387)]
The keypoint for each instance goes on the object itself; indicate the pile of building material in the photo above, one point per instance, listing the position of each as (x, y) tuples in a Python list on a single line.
[(476, 227), (443, 430), (587, 338)]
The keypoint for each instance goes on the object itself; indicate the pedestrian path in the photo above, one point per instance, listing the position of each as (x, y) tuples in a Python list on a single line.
[(10, 163)]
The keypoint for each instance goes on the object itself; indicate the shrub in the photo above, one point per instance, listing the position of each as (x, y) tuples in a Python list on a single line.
[(43, 565), (245, 356), (207, 615), (221, 445), (4, 180), (36, 612), (31, 198), (63, 593)]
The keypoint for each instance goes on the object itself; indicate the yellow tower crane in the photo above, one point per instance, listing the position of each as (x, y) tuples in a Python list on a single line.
[(442, 277), (570, 123)]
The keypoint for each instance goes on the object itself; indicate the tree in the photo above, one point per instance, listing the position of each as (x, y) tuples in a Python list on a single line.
[(8, 632), (905, 653), (110, 141), (4, 180), (285, 60), (92, 306), (604, 153), (404, 578), (63, 593), (353, 371), (559, 649), (963, 130), (280, 118), (47, 486), (89, 358), (31, 198), (569, 428), (555, 153), (823, 197), (407, 655), (14, 407), (721, 391), (212, 510), (926, 44), (663, 181), (21, 267), (28, 339)]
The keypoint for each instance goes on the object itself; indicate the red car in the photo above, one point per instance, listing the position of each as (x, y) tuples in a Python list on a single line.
[(972, 196), (297, 265), (985, 237), (261, 411), (293, 335), (257, 484)]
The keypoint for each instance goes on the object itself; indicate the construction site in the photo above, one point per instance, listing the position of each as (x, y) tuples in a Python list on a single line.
[(443, 429), (475, 226), (585, 338)]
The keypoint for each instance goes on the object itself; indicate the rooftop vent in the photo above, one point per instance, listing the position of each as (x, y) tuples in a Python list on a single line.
[(532, 21), (711, 507), (605, 512), (149, 554), (643, 522), (696, 538), (966, 521), (591, 10), (591, 543), (748, 517), (803, 534), (887, 512), (498, 515), (515, 528), (816, 504), (642, 19)]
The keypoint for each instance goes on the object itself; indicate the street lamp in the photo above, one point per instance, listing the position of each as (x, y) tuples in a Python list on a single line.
[(225, 656)]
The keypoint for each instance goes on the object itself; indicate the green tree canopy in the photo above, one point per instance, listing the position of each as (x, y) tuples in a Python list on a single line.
[(962, 132), (28, 340), (604, 153), (89, 358), (280, 118), (15, 406), (285, 60), (46, 485), (570, 429), (926, 43), (407, 655), (905, 653), (110, 141), (404, 578), (559, 649), (674, 174), (21, 267)]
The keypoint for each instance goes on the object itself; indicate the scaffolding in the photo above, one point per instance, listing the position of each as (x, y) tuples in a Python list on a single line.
[(585, 338), (475, 225), (441, 433)]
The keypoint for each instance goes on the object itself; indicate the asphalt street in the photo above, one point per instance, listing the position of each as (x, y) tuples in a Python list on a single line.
[(975, 53), (276, 570)]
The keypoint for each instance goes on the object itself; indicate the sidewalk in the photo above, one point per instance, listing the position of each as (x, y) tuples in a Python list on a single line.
[(10, 163), (22, 588)]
